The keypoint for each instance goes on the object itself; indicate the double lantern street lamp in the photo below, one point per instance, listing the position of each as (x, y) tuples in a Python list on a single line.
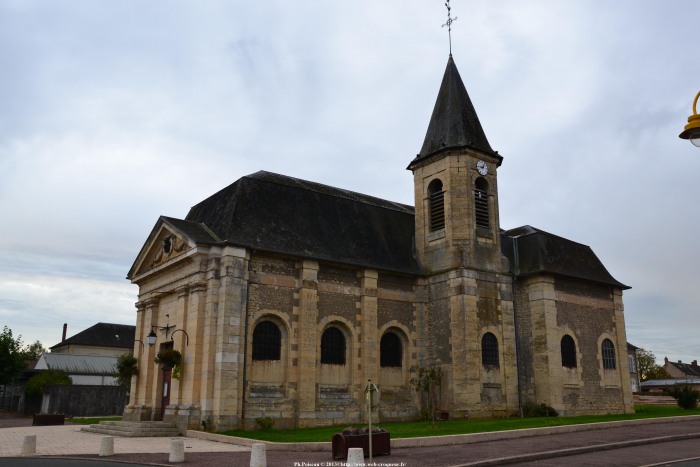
[(692, 129)]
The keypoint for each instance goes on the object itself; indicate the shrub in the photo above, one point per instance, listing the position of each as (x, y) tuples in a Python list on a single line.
[(686, 396), (266, 423), (530, 409), (126, 368)]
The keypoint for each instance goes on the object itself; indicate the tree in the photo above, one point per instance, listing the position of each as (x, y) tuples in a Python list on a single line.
[(427, 381), (37, 383), (648, 368), (11, 356), (34, 351)]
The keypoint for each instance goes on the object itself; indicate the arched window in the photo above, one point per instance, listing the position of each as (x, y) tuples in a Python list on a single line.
[(489, 350), (436, 208), (608, 355), (481, 203), (568, 352), (390, 350), (333, 347), (267, 341)]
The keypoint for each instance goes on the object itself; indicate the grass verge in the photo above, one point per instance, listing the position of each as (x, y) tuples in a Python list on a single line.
[(92, 421), (455, 427)]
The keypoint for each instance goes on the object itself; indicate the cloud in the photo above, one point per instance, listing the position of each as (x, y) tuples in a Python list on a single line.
[(114, 114), (36, 306)]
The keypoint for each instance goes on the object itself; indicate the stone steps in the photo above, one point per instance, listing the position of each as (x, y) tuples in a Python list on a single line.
[(654, 400), (134, 429)]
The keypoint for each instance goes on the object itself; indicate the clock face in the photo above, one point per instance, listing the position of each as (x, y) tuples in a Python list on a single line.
[(482, 168)]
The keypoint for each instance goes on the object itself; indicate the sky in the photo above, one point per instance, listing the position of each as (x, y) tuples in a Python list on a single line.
[(114, 113)]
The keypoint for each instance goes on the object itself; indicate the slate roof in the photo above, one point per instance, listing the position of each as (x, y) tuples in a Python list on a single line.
[(536, 251), (78, 364), (454, 123), (688, 369), (275, 213), (196, 231), (669, 382), (103, 335)]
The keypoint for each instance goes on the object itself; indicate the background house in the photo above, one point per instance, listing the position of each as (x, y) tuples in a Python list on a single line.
[(680, 370), (90, 359), (94, 391), (102, 339), (83, 369), (682, 374), (635, 380)]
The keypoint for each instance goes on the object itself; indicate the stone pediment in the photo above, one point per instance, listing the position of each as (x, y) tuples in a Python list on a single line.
[(166, 244)]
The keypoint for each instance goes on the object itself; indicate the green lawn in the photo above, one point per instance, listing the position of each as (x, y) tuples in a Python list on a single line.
[(92, 421), (417, 429)]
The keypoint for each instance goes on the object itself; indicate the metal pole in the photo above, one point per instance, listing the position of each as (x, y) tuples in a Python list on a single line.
[(369, 415)]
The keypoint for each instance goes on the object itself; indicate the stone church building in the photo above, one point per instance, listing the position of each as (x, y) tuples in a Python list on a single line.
[(285, 296)]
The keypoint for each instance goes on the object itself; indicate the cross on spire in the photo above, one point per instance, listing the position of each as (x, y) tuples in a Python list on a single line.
[(449, 24)]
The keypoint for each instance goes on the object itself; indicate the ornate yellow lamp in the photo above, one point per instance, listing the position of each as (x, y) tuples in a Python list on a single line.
[(692, 129)]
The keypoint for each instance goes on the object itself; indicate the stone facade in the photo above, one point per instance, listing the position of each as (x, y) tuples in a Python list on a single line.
[(220, 293), (551, 308)]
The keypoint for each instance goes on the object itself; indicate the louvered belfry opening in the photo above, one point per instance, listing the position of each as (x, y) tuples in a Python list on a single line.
[(436, 199), (481, 203)]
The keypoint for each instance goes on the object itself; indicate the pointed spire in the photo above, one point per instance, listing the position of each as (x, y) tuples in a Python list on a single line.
[(454, 123)]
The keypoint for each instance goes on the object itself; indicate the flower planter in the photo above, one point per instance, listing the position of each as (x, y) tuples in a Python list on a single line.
[(45, 419), (381, 443)]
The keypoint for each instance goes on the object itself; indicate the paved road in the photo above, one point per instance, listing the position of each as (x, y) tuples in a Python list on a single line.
[(645, 455)]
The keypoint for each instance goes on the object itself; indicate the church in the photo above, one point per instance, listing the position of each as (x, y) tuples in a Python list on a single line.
[(284, 297)]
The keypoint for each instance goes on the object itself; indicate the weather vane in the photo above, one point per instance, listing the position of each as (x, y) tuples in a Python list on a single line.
[(449, 24)]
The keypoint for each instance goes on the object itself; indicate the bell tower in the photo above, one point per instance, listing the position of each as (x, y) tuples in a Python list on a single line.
[(469, 310), (455, 182)]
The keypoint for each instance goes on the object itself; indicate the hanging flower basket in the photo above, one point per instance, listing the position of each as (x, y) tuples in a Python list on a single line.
[(169, 358)]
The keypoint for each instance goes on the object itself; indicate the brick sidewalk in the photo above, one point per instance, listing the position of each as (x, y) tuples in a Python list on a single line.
[(69, 440)]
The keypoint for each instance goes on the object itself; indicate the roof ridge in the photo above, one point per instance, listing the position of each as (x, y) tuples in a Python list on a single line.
[(536, 230)]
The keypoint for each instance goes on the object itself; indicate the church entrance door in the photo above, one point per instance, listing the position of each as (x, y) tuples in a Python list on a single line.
[(166, 379), (165, 401)]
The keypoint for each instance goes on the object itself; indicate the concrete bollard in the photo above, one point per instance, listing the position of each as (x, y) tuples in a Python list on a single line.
[(107, 446), (258, 456), (177, 451), (356, 457), (29, 445)]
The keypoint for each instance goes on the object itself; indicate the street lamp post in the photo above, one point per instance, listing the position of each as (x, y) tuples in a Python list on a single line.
[(372, 400), (692, 129)]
